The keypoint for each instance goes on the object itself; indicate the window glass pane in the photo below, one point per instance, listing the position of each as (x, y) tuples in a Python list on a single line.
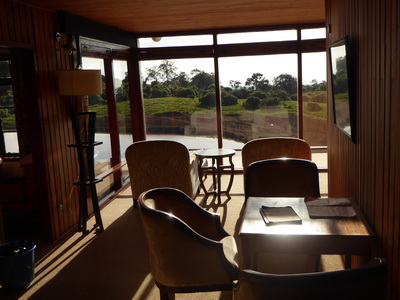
[(314, 33), (5, 69), (261, 94), (174, 41), (105, 188), (11, 141), (257, 37), (179, 101), (314, 99), (6, 99), (8, 119), (120, 70), (98, 103)]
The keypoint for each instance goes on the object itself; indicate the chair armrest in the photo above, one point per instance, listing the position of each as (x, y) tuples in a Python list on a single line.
[(192, 258), (179, 204), (200, 220)]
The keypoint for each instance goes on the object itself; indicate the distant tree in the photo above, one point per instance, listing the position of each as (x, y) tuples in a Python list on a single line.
[(227, 89), (167, 71), (181, 79), (160, 90), (208, 100), (201, 79), (234, 84), (276, 96), (228, 99), (242, 93), (6, 98), (146, 90), (340, 83), (259, 94), (185, 92), (286, 82), (252, 103), (257, 81), (341, 64), (121, 94), (152, 75)]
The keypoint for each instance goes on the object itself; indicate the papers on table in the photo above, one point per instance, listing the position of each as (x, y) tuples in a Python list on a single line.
[(330, 208), (279, 215)]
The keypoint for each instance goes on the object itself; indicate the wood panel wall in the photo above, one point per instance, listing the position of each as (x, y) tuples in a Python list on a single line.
[(55, 164), (369, 170)]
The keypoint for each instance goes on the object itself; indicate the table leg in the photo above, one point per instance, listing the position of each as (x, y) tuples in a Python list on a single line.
[(219, 180), (228, 189), (201, 176), (214, 165)]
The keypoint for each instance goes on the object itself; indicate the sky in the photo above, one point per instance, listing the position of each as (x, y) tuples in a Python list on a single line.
[(241, 68)]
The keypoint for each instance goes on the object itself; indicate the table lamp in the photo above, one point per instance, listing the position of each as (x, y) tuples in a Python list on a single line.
[(80, 83)]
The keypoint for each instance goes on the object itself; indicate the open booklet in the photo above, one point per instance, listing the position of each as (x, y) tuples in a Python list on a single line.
[(330, 208), (279, 215)]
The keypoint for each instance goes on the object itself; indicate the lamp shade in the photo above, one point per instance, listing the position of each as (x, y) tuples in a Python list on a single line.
[(79, 82)]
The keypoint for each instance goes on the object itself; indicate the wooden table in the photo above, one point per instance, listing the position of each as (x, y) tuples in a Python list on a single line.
[(314, 236), (216, 168)]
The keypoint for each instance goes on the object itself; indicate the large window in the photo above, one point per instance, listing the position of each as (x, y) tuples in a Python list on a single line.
[(240, 87), (262, 92), (314, 98)]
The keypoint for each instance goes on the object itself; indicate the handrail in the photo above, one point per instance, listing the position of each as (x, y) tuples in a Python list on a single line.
[(110, 171)]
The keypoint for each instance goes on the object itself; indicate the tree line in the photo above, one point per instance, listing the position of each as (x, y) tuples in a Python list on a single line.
[(166, 81)]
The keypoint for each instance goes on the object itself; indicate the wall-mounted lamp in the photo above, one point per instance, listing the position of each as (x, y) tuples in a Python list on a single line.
[(69, 47)]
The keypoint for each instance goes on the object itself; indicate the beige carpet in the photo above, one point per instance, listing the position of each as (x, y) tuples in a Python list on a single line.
[(114, 264)]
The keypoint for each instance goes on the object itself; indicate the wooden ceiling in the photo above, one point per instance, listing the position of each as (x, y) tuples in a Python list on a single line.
[(157, 16)]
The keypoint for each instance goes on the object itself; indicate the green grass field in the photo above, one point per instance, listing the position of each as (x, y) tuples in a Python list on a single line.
[(154, 106)]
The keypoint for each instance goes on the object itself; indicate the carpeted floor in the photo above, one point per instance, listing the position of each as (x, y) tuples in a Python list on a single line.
[(114, 264)]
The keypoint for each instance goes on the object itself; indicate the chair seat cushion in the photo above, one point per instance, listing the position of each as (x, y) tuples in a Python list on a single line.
[(230, 250)]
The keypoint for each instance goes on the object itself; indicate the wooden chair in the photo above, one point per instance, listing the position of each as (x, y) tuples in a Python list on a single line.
[(367, 282), (268, 148), (161, 163), (189, 249), (282, 177)]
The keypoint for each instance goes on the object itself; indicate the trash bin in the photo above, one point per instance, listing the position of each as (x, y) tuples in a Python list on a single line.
[(17, 261)]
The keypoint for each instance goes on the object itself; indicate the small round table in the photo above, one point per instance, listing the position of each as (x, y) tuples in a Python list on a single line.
[(216, 168)]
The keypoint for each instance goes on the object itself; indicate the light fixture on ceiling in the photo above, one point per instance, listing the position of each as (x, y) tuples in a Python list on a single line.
[(156, 38)]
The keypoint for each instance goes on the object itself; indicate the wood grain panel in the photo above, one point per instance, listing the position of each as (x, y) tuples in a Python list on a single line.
[(187, 15), (31, 27), (373, 27)]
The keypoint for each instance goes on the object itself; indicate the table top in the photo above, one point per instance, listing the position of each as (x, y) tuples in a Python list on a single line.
[(253, 224), (215, 153)]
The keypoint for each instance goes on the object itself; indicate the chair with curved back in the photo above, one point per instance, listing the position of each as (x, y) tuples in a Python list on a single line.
[(282, 177), (189, 249), (367, 282), (161, 163), (277, 147)]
